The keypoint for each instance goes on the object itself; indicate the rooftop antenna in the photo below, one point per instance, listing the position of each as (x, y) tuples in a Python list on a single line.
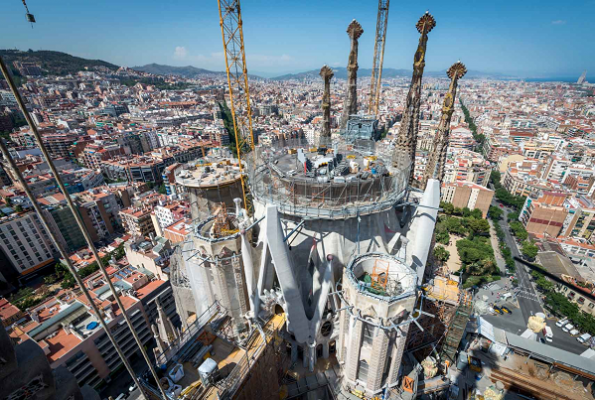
[(30, 16)]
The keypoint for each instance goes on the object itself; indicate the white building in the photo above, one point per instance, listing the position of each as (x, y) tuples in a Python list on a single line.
[(25, 242)]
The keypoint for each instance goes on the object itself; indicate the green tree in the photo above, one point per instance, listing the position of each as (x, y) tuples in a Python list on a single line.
[(466, 212), (513, 216), (443, 237), (477, 214), (495, 213), (162, 189), (529, 249), (447, 208), (479, 226), (18, 208), (441, 254)]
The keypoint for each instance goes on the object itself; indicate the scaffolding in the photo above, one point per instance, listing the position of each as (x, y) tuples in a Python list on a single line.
[(295, 194), (457, 327), (380, 275)]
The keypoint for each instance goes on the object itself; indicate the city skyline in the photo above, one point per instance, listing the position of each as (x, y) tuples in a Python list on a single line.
[(511, 39)]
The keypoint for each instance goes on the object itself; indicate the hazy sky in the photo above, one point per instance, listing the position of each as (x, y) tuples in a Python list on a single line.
[(521, 37)]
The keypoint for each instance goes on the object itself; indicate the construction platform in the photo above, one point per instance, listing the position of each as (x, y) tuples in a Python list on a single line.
[(340, 180)]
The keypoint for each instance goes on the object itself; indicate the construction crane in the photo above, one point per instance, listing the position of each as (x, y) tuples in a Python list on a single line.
[(230, 19), (375, 83)]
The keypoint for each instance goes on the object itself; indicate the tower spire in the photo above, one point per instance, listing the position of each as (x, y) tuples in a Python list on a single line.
[(437, 161), (354, 30), (327, 74), (407, 138)]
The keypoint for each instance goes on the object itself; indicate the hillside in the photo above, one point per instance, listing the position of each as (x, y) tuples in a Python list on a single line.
[(341, 73), (54, 62), (187, 72)]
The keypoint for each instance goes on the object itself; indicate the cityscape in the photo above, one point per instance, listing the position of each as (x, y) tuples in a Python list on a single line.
[(195, 232)]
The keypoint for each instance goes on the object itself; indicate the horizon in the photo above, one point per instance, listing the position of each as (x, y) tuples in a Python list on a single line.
[(273, 75), (510, 38)]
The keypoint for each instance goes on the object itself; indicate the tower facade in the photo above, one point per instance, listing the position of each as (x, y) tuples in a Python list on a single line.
[(327, 74), (407, 138), (436, 164), (354, 30)]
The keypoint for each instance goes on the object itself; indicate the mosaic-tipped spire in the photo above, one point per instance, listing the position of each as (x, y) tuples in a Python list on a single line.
[(407, 138), (327, 74), (354, 30), (435, 167)]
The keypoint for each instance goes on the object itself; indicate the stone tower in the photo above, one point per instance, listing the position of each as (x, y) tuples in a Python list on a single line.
[(327, 74), (354, 30), (435, 167), (407, 138)]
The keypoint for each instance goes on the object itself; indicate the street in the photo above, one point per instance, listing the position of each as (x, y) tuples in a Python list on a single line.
[(528, 299)]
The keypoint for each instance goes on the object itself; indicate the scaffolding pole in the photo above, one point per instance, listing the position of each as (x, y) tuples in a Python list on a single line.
[(83, 229)]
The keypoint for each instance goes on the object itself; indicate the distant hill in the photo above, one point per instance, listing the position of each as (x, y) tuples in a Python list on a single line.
[(55, 62), (187, 72), (341, 73)]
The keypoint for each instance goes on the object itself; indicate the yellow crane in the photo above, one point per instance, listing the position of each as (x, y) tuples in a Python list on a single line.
[(230, 19), (376, 80)]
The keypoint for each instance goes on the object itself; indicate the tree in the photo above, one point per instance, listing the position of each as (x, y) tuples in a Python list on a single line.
[(18, 208), (441, 254), (513, 216), (529, 250), (477, 214), (495, 213), (162, 189), (443, 237), (466, 212), (518, 230), (448, 208), (478, 226)]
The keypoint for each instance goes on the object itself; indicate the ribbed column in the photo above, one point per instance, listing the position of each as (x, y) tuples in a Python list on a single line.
[(343, 336), (437, 161), (354, 30), (327, 74), (407, 138), (397, 355), (353, 349), (378, 360)]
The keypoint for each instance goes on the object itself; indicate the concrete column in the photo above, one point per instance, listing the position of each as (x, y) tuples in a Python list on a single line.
[(294, 352), (397, 355), (353, 350), (305, 355), (378, 360), (325, 350), (343, 335), (312, 358)]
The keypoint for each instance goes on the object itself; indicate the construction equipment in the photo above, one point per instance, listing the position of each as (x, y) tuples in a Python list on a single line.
[(375, 82), (230, 19), (456, 329)]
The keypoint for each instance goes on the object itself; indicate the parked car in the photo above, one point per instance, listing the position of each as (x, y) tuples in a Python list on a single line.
[(584, 338), (574, 332), (549, 335), (497, 309), (506, 310), (561, 322), (568, 327), (132, 387)]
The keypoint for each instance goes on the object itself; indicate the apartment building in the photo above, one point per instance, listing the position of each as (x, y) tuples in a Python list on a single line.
[(466, 194), (152, 254), (137, 221), (25, 242), (545, 215), (70, 336)]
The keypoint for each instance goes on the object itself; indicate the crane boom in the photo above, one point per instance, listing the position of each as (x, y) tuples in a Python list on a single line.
[(375, 83), (230, 19)]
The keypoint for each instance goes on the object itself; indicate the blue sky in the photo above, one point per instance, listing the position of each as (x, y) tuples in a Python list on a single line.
[(523, 37)]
